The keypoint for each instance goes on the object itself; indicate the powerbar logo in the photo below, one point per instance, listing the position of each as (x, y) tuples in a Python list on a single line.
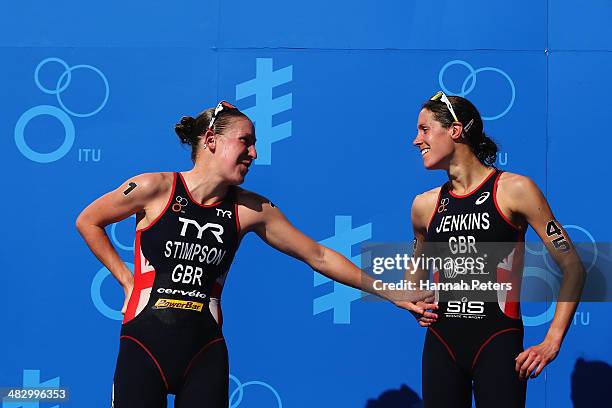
[(178, 304)]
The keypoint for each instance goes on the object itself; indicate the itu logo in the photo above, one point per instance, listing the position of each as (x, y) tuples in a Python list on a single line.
[(103, 273), (543, 275), (345, 236), (237, 394), (469, 83), (266, 107), (31, 379), (62, 115)]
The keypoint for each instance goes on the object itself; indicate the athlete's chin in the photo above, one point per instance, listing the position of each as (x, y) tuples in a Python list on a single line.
[(239, 179), (237, 176), (430, 164)]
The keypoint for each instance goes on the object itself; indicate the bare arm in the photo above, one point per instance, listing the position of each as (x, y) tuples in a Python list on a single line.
[(422, 208), (419, 215), (129, 198), (274, 228), (527, 200)]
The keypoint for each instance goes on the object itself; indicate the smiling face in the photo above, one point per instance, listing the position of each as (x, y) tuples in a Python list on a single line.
[(435, 142), (235, 150)]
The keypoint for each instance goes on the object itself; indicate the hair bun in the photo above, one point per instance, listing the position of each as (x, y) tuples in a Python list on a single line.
[(184, 129), (487, 150)]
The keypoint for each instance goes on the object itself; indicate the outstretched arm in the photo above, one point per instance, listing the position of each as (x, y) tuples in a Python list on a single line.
[(274, 228), (529, 202)]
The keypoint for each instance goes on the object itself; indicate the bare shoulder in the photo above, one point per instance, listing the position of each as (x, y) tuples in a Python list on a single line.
[(424, 203), (253, 209), (423, 206), (151, 185), (516, 186), (155, 180), (250, 200), (520, 198)]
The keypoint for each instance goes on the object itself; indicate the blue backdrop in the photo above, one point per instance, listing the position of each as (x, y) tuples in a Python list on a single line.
[(90, 92)]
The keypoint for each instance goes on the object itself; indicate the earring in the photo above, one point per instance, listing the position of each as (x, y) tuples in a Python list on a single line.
[(204, 146)]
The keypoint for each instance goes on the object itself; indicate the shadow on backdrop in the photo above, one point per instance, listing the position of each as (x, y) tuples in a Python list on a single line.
[(591, 384), (404, 397)]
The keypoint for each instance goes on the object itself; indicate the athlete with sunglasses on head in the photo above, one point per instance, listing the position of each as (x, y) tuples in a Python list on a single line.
[(475, 337), (188, 228)]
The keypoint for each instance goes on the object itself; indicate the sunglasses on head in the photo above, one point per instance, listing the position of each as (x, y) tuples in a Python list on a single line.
[(221, 106), (441, 96)]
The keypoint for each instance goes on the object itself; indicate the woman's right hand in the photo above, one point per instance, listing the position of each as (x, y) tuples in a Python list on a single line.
[(127, 289), (421, 312)]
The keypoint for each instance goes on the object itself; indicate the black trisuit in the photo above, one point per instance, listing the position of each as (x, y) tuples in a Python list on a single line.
[(171, 340), (479, 332)]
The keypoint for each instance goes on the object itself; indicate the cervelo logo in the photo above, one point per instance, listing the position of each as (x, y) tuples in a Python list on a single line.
[(223, 213), (215, 229), (483, 198), (193, 293)]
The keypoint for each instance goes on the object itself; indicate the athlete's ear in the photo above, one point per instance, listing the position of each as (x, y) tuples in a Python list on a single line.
[(456, 131), (208, 140)]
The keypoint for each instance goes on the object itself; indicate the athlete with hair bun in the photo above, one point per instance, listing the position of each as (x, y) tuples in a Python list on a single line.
[(188, 228), (474, 339)]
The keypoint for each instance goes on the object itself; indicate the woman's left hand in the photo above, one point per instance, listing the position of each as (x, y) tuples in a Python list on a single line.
[(531, 362)]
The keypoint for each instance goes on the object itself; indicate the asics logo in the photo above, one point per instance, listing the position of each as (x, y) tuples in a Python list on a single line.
[(483, 198)]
